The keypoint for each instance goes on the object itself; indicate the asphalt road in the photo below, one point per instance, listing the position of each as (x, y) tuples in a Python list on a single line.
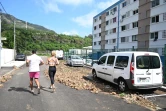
[(16, 96), (4, 70)]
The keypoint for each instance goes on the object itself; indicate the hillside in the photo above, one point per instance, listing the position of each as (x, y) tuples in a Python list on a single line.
[(9, 19), (38, 37)]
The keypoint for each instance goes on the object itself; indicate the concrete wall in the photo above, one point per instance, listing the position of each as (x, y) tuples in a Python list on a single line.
[(7, 55)]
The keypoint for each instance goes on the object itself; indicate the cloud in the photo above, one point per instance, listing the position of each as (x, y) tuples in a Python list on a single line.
[(85, 20), (74, 2), (104, 5), (53, 5), (49, 6), (72, 32)]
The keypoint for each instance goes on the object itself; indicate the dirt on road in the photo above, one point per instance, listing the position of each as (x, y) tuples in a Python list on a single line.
[(74, 77)]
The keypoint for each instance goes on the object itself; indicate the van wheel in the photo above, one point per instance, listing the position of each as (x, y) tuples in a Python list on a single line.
[(94, 74), (71, 64), (122, 85)]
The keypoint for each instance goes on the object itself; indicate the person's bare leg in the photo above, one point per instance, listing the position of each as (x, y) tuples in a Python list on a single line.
[(37, 82), (31, 83), (38, 85)]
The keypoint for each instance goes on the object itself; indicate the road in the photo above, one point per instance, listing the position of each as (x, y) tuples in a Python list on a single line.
[(16, 96)]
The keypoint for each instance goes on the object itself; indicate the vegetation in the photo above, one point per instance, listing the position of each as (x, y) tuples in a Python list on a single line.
[(39, 38)]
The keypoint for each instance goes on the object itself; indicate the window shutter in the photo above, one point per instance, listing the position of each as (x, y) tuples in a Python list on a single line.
[(164, 16), (127, 26), (164, 33), (128, 14), (111, 21)]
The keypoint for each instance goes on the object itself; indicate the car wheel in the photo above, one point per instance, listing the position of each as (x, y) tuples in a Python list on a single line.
[(71, 64), (122, 85), (94, 74)]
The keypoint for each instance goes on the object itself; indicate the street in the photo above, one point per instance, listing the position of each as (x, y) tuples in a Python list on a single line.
[(16, 96)]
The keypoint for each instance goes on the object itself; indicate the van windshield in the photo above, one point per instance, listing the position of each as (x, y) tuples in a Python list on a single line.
[(147, 62)]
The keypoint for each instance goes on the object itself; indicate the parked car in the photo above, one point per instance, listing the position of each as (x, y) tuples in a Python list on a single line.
[(20, 57), (87, 60), (133, 70), (75, 60)]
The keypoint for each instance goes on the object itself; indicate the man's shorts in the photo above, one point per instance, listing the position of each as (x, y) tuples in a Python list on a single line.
[(34, 74)]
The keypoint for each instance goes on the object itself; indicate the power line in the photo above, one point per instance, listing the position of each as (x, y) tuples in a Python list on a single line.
[(3, 8)]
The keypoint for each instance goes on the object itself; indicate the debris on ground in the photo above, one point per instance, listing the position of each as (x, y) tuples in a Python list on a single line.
[(74, 77)]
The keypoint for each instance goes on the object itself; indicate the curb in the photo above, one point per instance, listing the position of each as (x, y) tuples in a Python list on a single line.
[(13, 70), (9, 72)]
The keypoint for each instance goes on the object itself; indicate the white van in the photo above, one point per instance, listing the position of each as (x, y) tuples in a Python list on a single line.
[(59, 54), (133, 70)]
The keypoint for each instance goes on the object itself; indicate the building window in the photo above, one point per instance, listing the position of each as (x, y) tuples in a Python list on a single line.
[(114, 20), (106, 32), (100, 18), (128, 14), (135, 12), (94, 27), (164, 15), (125, 27), (115, 9), (114, 30), (164, 33), (106, 41), (135, 0), (134, 37), (155, 19), (123, 16), (113, 40), (155, 3), (135, 24), (99, 25), (124, 39), (95, 20), (99, 34), (124, 4), (99, 42), (107, 13), (94, 43), (154, 36), (107, 22)]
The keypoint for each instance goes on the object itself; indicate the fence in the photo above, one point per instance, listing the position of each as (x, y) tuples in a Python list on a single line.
[(86, 54)]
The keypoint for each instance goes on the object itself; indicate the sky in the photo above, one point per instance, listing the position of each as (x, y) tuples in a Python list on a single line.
[(70, 17)]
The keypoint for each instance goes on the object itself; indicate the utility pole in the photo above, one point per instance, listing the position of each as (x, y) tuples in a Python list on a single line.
[(14, 41)]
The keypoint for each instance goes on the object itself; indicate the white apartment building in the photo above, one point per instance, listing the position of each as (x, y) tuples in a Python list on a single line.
[(131, 23)]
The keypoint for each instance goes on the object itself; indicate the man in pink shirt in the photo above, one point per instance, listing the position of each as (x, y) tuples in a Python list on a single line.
[(34, 61)]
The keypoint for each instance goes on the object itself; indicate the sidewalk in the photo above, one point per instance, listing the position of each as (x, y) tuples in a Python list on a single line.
[(13, 63), (9, 67)]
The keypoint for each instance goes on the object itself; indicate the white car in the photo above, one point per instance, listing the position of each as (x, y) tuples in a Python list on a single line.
[(133, 70), (75, 60)]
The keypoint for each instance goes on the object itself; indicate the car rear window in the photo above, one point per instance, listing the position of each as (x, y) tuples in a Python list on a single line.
[(147, 62)]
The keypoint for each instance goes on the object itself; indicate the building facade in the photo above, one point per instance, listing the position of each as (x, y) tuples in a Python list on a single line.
[(131, 23)]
